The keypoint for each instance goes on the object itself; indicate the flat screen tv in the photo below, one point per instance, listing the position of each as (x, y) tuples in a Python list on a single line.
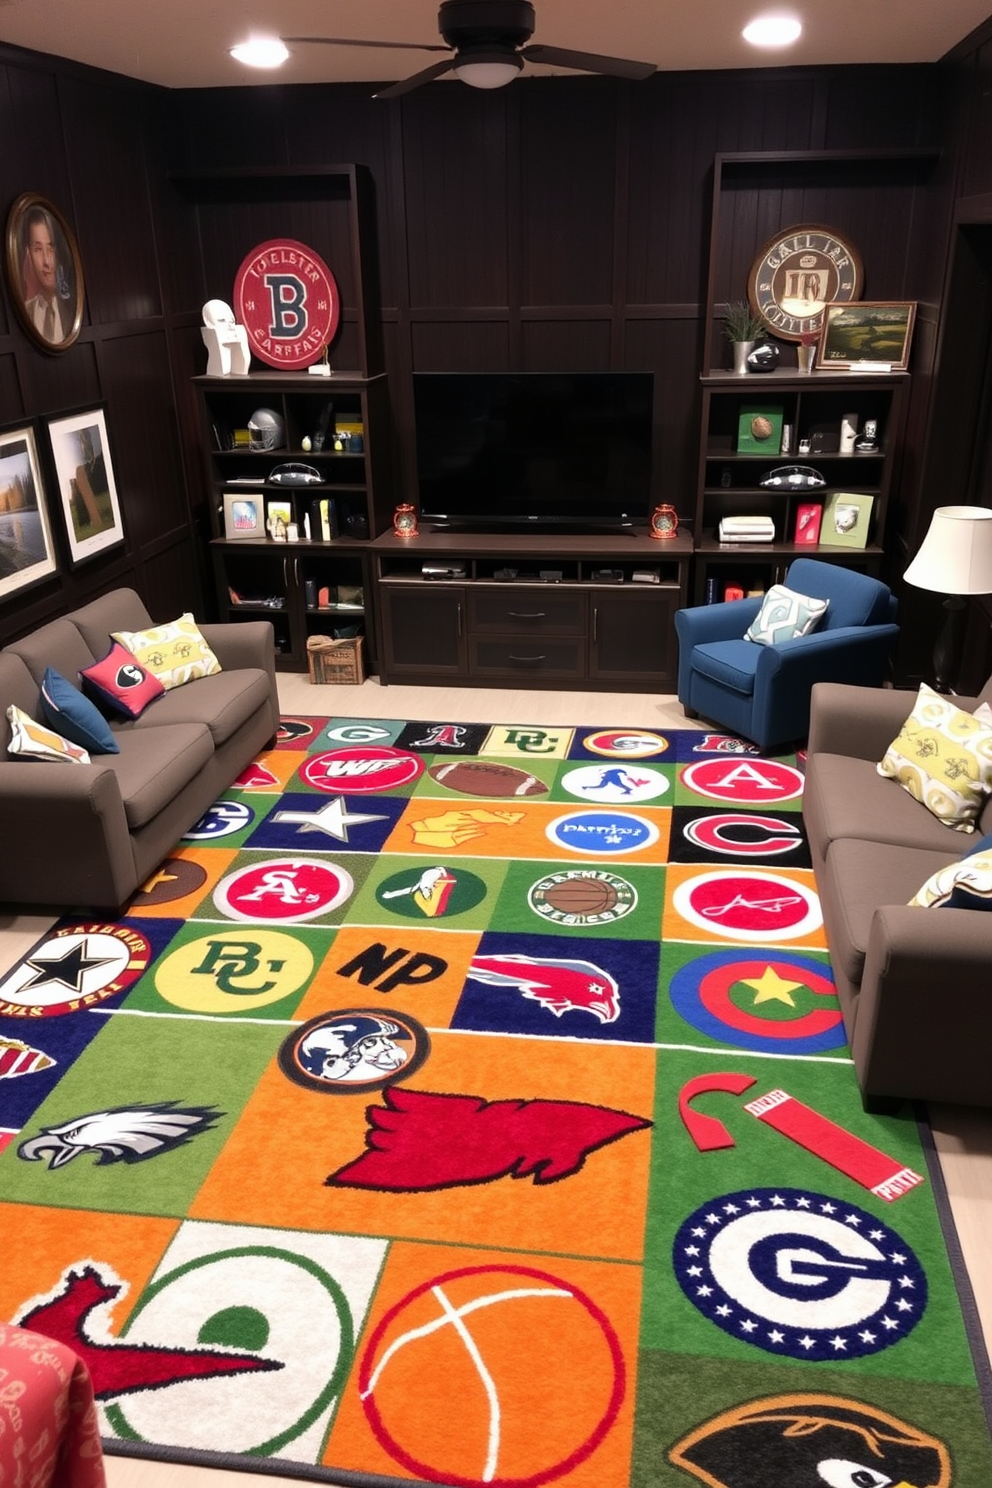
[(498, 450)]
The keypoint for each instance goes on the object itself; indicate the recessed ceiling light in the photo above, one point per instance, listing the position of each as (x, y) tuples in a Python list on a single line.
[(772, 30), (261, 51)]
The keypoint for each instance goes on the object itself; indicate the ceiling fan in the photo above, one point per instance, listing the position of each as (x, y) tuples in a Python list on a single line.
[(486, 42)]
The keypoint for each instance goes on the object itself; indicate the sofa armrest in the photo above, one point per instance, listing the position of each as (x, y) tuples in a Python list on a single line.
[(861, 721), (924, 1015), (65, 834), (240, 644)]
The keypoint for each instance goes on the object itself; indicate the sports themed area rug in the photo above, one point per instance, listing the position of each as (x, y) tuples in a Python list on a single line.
[(470, 1105)]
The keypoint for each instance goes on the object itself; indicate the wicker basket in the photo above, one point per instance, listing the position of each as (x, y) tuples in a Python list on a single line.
[(335, 661)]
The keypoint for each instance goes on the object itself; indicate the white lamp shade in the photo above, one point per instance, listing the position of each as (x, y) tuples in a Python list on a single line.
[(956, 554), (482, 68)]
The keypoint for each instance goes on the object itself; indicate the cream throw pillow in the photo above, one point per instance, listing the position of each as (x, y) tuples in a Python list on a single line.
[(35, 741), (174, 653), (943, 757)]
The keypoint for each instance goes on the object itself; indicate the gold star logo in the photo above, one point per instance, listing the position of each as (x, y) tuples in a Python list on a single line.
[(770, 987)]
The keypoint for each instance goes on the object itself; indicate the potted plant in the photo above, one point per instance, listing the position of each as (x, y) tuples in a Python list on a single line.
[(742, 327)]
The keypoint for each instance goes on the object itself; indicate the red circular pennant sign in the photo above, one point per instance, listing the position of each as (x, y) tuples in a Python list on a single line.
[(286, 298)]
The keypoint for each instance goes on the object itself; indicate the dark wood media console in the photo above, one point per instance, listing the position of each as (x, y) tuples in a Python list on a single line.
[(474, 625)]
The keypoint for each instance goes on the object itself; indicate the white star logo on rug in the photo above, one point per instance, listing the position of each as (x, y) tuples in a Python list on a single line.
[(333, 817)]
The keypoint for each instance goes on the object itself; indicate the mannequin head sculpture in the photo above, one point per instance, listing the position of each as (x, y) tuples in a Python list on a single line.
[(225, 340)]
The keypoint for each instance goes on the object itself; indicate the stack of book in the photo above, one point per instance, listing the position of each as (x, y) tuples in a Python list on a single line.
[(747, 530)]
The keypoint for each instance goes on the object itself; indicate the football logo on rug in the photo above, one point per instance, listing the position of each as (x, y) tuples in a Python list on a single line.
[(799, 1274), (480, 777), (361, 770), (604, 833), (222, 819), (743, 906), (494, 1340), (561, 986), (354, 1051), (828, 1440), (582, 896), (627, 743), (284, 889), (784, 1003), (609, 783), (748, 783), (74, 968), (431, 893), (127, 1134)]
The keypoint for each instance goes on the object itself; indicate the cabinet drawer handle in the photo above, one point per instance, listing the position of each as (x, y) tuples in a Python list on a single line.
[(527, 614), (527, 658)]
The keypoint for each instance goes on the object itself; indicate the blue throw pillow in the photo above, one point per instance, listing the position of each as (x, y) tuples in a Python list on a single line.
[(74, 716)]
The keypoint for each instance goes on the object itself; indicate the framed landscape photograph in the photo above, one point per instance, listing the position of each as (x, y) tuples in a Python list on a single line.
[(846, 520), (87, 487), (880, 331), (44, 272), (27, 553)]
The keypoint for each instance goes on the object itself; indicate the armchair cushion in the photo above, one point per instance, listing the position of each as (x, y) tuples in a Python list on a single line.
[(731, 663), (943, 757), (784, 615)]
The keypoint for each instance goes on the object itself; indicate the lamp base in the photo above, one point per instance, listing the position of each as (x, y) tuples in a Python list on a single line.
[(950, 641)]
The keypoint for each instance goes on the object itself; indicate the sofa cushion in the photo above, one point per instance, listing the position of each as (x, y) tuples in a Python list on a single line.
[(57, 644), (174, 653), (121, 683), (943, 757), (784, 615), (35, 741), (844, 797), (121, 609), (155, 764), (730, 663), (223, 703), (859, 877), (74, 716)]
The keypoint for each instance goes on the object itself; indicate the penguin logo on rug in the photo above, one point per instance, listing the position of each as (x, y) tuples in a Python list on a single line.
[(812, 1441)]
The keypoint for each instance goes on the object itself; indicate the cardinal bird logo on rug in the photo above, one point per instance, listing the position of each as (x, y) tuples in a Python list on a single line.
[(560, 986), (418, 1140)]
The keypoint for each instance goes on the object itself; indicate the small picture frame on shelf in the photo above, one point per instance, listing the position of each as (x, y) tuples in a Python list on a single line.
[(808, 517), (846, 520), (875, 332), (759, 429), (244, 515)]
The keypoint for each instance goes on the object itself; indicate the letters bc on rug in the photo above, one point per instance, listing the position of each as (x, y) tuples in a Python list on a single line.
[(470, 1104)]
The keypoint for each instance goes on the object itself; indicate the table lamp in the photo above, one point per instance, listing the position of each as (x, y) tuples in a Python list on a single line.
[(955, 559)]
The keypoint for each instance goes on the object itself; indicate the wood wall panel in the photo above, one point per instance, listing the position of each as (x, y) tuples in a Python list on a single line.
[(54, 384), (145, 437), (11, 404), (560, 345), (667, 347), (459, 346)]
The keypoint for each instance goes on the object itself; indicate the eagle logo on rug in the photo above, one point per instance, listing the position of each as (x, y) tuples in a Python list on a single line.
[(812, 1441), (127, 1134)]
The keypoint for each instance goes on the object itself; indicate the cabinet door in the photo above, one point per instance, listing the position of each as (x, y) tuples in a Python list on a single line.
[(257, 581), (633, 637), (423, 632)]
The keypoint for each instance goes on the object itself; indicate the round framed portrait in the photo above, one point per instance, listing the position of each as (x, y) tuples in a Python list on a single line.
[(44, 272), (797, 273)]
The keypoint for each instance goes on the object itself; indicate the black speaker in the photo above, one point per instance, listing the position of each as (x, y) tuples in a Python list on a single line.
[(357, 525)]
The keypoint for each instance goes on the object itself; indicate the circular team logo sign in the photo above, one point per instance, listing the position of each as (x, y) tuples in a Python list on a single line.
[(609, 783), (799, 1273), (737, 834), (233, 973), (176, 878), (748, 906), (495, 1340), (292, 730), (73, 969), (582, 896), (222, 819), (627, 743), (286, 299), (782, 1004), (355, 1051), (744, 781), (284, 889), (361, 769), (603, 833), (430, 893)]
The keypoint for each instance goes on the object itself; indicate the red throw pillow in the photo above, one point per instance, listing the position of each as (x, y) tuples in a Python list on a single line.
[(121, 682)]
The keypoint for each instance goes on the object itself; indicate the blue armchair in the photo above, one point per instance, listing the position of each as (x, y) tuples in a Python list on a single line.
[(761, 692)]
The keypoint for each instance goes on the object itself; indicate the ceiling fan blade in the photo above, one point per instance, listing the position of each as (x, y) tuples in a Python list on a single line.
[(413, 46), (588, 62), (396, 90)]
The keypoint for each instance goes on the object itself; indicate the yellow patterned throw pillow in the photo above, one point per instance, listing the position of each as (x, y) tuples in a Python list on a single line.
[(966, 884), (35, 741), (174, 653), (943, 758)]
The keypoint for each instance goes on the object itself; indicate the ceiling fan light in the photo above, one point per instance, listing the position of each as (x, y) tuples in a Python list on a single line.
[(261, 51), (488, 69), (772, 30)]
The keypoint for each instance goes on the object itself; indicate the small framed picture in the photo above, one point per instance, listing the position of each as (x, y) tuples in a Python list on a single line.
[(846, 520), (44, 272), (27, 553), (244, 516), (878, 332), (86, 483)]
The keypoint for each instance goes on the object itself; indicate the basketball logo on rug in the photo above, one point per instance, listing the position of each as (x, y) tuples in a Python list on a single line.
[(430, 893), (740, 906), (222, 819), (799, 1274), (354, 1051), (809, 1438), (361, 769), (489, 778), (233, 974), (74, 968), (492, 1340), (582, 896), (746, 782), (604, 833), (778, 1003), (284, 889), (610, 783), (627, 743)]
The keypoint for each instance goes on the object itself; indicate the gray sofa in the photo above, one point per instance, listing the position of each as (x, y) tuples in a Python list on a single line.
[(90, 835), (915, 985)]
